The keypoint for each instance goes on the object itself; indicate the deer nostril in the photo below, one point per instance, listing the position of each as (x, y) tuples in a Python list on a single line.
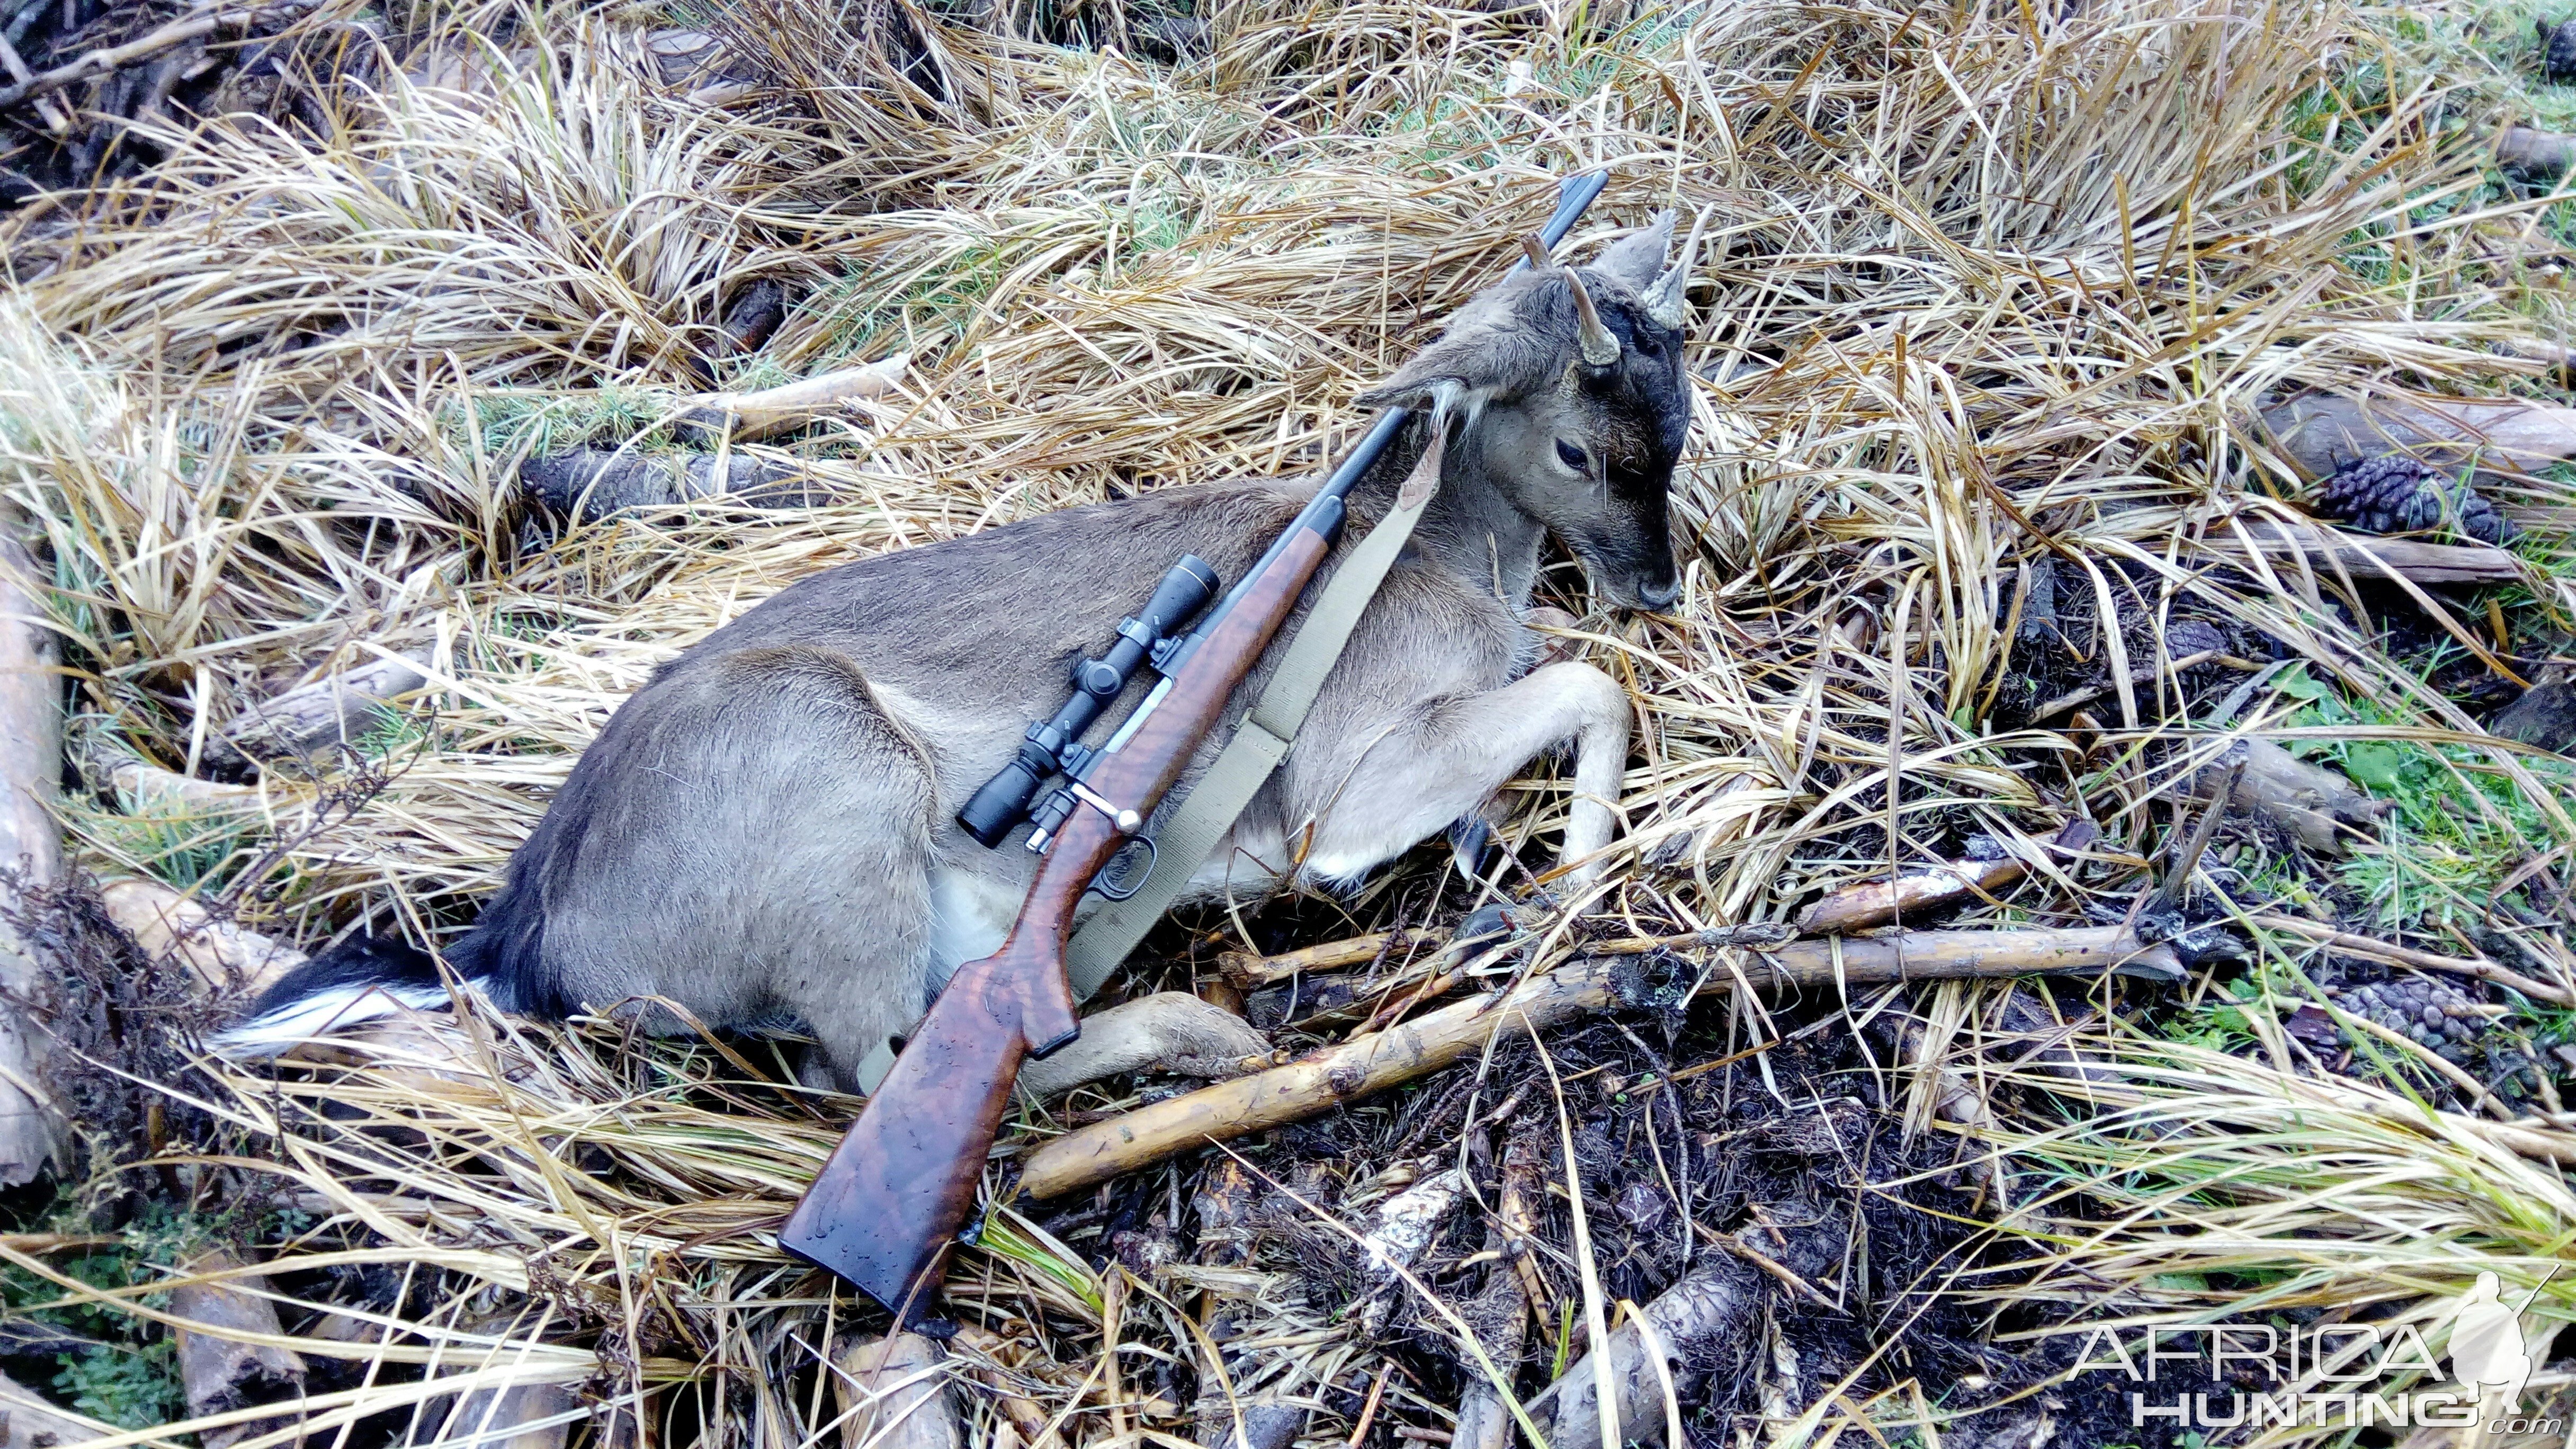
[(1656, 596)]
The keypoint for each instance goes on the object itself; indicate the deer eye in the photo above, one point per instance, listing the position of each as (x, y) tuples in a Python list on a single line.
[(1572, 455)]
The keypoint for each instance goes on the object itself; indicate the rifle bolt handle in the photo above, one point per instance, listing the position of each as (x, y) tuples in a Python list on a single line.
[(1126, 820)]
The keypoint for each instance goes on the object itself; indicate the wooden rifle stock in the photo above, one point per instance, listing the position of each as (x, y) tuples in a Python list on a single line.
[(884, 1209)]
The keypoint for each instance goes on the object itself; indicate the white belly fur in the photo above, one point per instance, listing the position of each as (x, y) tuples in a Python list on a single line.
[(970, 915)]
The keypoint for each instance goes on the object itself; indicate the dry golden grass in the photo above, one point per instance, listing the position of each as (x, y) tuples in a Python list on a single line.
[(1988, 290)]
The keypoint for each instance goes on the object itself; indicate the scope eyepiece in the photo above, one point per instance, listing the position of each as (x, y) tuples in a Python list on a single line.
[(998, 808)]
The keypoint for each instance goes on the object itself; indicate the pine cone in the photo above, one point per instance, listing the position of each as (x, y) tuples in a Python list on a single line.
[(2557, 51), (2433, 1013), (2396, 494)]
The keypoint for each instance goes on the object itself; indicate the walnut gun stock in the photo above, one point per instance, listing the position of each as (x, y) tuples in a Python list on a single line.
[(884, 1209)]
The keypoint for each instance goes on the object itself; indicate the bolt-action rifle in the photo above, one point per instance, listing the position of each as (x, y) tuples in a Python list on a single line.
[(884, 1209)]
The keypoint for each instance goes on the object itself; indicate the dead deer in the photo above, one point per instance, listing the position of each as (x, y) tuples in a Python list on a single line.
[(763, 833)]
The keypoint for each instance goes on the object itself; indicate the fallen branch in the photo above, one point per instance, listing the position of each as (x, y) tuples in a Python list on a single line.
[(757, 312), (893, 1394), (29, 1421), (226, 959), (748, 417), (151, 43), (1251, 973), (1484, 1419), (2531, 155), (149, 787), (2372, 556), (593, 483), (2312, 803), (1716, 1299), (516, 1417), (1405, 1223), (1875, 903), (2321, 432), (2479, 968), (33, 1131), (1370, 1064), (1764, 937), (328, 712), (222, 1365)]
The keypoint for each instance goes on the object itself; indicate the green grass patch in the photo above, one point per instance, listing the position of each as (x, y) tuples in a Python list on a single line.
[(127, 1372), (2462, 823)]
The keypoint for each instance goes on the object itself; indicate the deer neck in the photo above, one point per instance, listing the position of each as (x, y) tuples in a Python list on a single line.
[(1470, 528)]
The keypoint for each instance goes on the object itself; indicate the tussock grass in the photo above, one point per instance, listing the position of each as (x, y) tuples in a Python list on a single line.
[(1991, 293)]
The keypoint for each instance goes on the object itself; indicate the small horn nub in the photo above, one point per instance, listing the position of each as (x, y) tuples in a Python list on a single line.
[(1664, 300), (1536, 252), (1599, 345)]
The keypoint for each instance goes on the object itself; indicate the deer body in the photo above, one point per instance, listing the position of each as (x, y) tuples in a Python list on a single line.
[(764, 832)]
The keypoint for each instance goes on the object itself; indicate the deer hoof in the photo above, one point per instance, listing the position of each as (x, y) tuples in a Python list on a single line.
[(1551, 650), (1470, 841), (1195, 1039)]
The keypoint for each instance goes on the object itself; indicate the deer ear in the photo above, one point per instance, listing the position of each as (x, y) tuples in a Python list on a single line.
[(1475, 362), (1638, 258)]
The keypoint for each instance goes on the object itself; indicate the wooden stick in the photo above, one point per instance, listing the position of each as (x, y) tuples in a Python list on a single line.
[(1484, 1422), (594, 483), (1251, 973), (2481, 968), (150, 786), (2320, 431), (2401, 558), (177, 32), (1757, 937), (33, 1131), (28, 1419), (1370, 1064), (226, 959), (1874, 903), (894, 1394), (748, 417), (334, 710), (1713, 1300), (55, 121), (221, 1363), (2311, 802)]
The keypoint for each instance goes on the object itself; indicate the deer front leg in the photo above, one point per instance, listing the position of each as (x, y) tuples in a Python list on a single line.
[(1169, 1031), (1417, 778)]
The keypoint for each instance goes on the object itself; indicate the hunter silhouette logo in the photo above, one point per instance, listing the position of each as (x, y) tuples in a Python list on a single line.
[(2331, 1375), (2487, 1350)]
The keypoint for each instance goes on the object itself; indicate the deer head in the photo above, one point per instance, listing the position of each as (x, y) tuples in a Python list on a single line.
[(1571, 386)]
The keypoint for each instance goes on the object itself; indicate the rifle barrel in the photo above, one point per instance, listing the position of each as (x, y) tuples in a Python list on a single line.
[(1574, 195)]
